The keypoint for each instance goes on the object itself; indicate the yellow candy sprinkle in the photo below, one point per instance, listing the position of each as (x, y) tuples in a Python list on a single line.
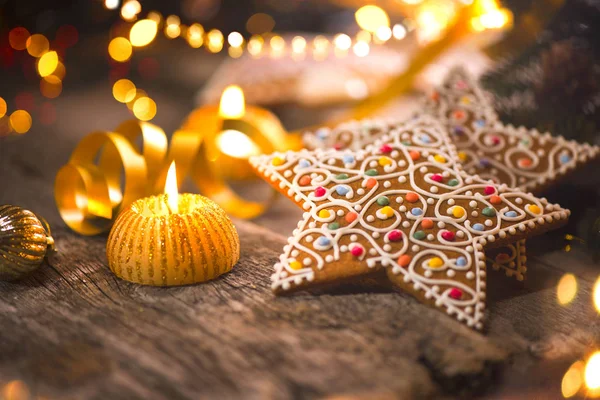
[(324, 214), (436, 262), (387, 211), (439, 158), (458, 212), (465, 100), (296, 265), (462, 156), (277, 161), (383, 161), (534, 209)]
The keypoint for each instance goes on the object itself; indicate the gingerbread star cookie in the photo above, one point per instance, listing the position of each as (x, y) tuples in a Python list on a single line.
[(356, 135), (404, 207)]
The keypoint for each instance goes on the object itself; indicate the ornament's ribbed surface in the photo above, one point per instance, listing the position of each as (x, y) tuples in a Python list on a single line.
[(151, 246), (23, 242)]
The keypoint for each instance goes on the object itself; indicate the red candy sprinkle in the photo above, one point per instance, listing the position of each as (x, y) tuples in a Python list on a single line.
[(495, 140), (455, 293), (447, 235), (320, 191), (338, 146), (357, 251), (502, 257), (386, 148), (490, 190), (437, 177), (394, 235)]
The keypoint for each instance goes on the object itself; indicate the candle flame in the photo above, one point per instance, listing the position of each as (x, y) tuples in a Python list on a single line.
[(232, 105), (171, 189)]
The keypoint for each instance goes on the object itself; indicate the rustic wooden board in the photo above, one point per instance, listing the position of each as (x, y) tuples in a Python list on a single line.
[(74, 331)]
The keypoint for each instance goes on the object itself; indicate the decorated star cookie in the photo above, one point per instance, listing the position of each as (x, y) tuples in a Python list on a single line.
[(356, 135), (403, 207)]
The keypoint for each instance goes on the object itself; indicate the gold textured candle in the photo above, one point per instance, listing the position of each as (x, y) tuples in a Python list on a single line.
[(172, 239)]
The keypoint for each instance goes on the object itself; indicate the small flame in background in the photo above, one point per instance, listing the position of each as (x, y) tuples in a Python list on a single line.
[(15, 390)]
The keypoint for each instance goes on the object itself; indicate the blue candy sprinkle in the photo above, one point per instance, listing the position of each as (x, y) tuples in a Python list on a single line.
[(480, 123), (564, 158), (348, 159), (322, 133), (323, 241), (342, 190), (425, 139), (416, 211), (478, 227), (461, 261), (510, 214), (304, 164), (484, 162)]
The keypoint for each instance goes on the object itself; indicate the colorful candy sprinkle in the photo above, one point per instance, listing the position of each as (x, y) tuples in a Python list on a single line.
[(357, 251), (371, 182), (320, 191), (448, 236), (439, 158), (458, 131), (484, 163), (383, 161), (455, 293), (461, 261), (453, 182), (342, 190), (351, 217), (372, 172), (387, 211), (458, 212), (511, 214), (412, 197), (303, 164), (338, 146), (383, 201), (386, 148), (323, 241), (564, 158), (348, 159), (416, 211), (480, 123), (414, 155), (404, 260), (419, 235), (341, 177), (296, 265), (462, 156), (524, 162), (304, 180), (435, 262), (458, 114), (322, 133), (333, 226), (502, 257), (324, 214), (495, 199), (489, 190), (489, 212), (436, 177), (478, 227), (427, 223), (394, 235), (534, 209), (425, 138), (277, 161)]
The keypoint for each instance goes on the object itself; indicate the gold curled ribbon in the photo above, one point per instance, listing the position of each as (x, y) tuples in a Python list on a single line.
[(107, 171)]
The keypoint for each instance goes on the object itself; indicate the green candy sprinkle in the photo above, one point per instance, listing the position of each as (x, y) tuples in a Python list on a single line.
[(453, 182), (489, 212), (419, 235), (333, 226), (406, 142), (383, 201), (341, 176), (372, 172)]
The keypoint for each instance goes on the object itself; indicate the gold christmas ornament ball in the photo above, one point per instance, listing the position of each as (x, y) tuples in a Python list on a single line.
[(24, 242), (153, 244)]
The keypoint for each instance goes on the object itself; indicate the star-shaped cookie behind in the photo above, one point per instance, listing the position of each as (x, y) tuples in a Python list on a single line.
[(404, 206)]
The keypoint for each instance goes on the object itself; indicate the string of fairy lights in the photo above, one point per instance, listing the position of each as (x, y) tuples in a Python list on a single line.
[(428, 18)]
